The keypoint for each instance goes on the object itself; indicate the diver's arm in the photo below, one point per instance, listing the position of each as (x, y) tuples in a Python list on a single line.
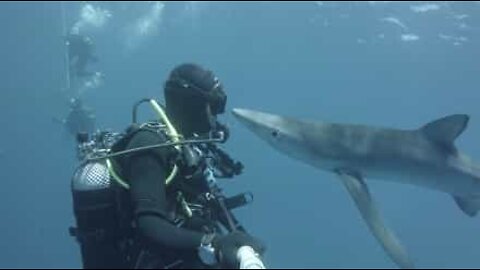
[(147, 176)]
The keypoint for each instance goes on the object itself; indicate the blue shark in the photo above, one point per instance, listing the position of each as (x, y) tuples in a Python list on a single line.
[(424, 156)]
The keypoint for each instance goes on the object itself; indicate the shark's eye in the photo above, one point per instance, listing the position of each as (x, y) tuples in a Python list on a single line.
[(275, 133)]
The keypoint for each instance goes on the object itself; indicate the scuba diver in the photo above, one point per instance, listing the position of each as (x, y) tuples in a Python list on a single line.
[(80, 119), (80, 54), (149, 197)]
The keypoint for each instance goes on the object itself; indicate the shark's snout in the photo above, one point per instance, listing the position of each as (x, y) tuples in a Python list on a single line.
[(239, 113), (255, 121), (247, 117), (258, 120)]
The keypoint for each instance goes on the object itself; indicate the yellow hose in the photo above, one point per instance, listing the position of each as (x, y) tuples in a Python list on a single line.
[(115, 176), (172, 133)]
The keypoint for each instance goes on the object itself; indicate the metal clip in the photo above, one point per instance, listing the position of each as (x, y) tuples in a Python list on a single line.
[(209, 196)]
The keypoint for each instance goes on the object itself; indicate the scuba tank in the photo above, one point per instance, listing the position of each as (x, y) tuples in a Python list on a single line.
[(96, 203)]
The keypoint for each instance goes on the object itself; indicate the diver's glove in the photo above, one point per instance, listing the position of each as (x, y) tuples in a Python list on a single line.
[(225, 247), (206, 251)]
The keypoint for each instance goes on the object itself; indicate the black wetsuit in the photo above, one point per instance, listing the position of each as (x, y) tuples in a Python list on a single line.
[(146, 172)]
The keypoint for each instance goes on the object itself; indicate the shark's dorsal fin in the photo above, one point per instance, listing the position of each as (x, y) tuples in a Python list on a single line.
[(444, 131), (469, 206)]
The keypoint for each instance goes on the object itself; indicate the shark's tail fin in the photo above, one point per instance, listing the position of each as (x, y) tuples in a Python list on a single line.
[(469, 205)]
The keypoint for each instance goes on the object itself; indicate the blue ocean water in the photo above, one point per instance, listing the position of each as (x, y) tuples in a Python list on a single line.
[(380, 63)]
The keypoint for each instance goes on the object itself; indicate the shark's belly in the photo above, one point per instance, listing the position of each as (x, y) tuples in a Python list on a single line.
[(427, 175)]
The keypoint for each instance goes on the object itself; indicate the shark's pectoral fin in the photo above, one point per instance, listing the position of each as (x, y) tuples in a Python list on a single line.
[(358, 189), (469, 205)]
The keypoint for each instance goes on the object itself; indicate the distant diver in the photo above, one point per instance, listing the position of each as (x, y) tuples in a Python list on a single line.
[(80, 119), (80, 52)]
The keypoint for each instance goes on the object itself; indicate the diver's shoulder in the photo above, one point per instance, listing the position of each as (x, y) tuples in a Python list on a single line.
[(142, 136)]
